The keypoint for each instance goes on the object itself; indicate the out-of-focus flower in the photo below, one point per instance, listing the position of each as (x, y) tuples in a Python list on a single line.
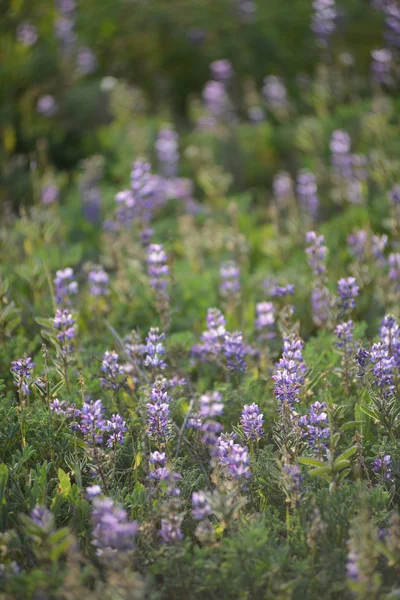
[(27, 34), (47, 106)]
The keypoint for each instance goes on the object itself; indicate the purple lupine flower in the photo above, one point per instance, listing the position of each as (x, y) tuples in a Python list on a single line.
[(27, 34), (155, 349), (344, 333), (99, 282), (86, 61), (381, 66), (42, 517), (348, 290), (158, 270), (216, 99), (112, 531), (289, 375), (212, 340), (252, 421), (341, 158), (275, 93), (230, 279), (357, 243), (158, 413), (316, 427), (235, 351), (324, 20), (362, 358), (201, 506), (391, 11), (383, 466), (383, 367), (211, 406), (390, 337), (47, 106), (65, 323), (292, 481), (221, 70), (66, 286), (116, 429), (316, 253), (282, 187), (49, 194), (378, 245), (265, 318), (280, 291), (394, 270), (93, 424), (93, 491), (22, 371), (167, 148), (146, 194), (233, 457), (170, 531), (158, 458), (307, 192), (394, 195), (321, 301), (111, 369), (352, 567), (246, 9)]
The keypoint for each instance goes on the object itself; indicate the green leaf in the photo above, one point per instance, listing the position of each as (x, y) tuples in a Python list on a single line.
[(312, 462), (3, 503), (347, 453), (65, 483), (351, 424), (320, 471), (340, 464), (370, 412)]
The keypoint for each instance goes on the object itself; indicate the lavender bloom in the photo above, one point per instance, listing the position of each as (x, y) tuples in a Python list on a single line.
[(99, 282), (307, 192), (65, 323), (394, 271), (289, 375), (283, 189), (321, 301), (394, 195), (93, 491), (233, 457), (65, 285), (390, 337), (112, 532), (93, 425), (230, 279), (341, 157), (379, 243), (155, 349), (201, 506), (212, 340), (168, 152), (216, 99), (158, 270), (324, 20), (211, 406), (316, 253), (49, 194), (86, 62), (383, 367), (158, 413), (383, 466), (116, 429), (235, 351), (275, 93), (64, 31), (265, 318), (42, 517), (381, 66), (251, 422), (146, 194), (357, 242), (221, 70), (246, 9), (22, 371), (362, 358), (47, 106), (316, 427), (158, 458), (348, 290), (281, 291), (344, 333), (27, 34), (111, 369), (391, 10), (292, 481), (170, 531)]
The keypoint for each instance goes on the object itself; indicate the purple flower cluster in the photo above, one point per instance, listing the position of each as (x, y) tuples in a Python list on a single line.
[(315, 427), (161, 473), (22, 371), (341, 158), (158, 412), (381, 66), (211, 406), (289, 375), (378, 246), (112, 371), (155, 349), (201, 506), (47, 106), (391, 11), (216, 99), (324, 20), (307, 192), (282, 187), (93, 424), (65, 26), (158, 270), (27, 34), (383, 367), (265, 318), (394, 271), (233, 457), (348, 290), (86, 61), (99, 282), (65, 324), (251, 422), (275, 93), (344, 333), (383, 467), (65, 286), (292, 481), (167, 148), (49, 194), (316, 253), (281, 291), (170, 531), (357, 243), (144, 196), (42, 517), (221, 70), (235, 352), (230, 279), (390, 337), (112, 531), (116, 429)]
